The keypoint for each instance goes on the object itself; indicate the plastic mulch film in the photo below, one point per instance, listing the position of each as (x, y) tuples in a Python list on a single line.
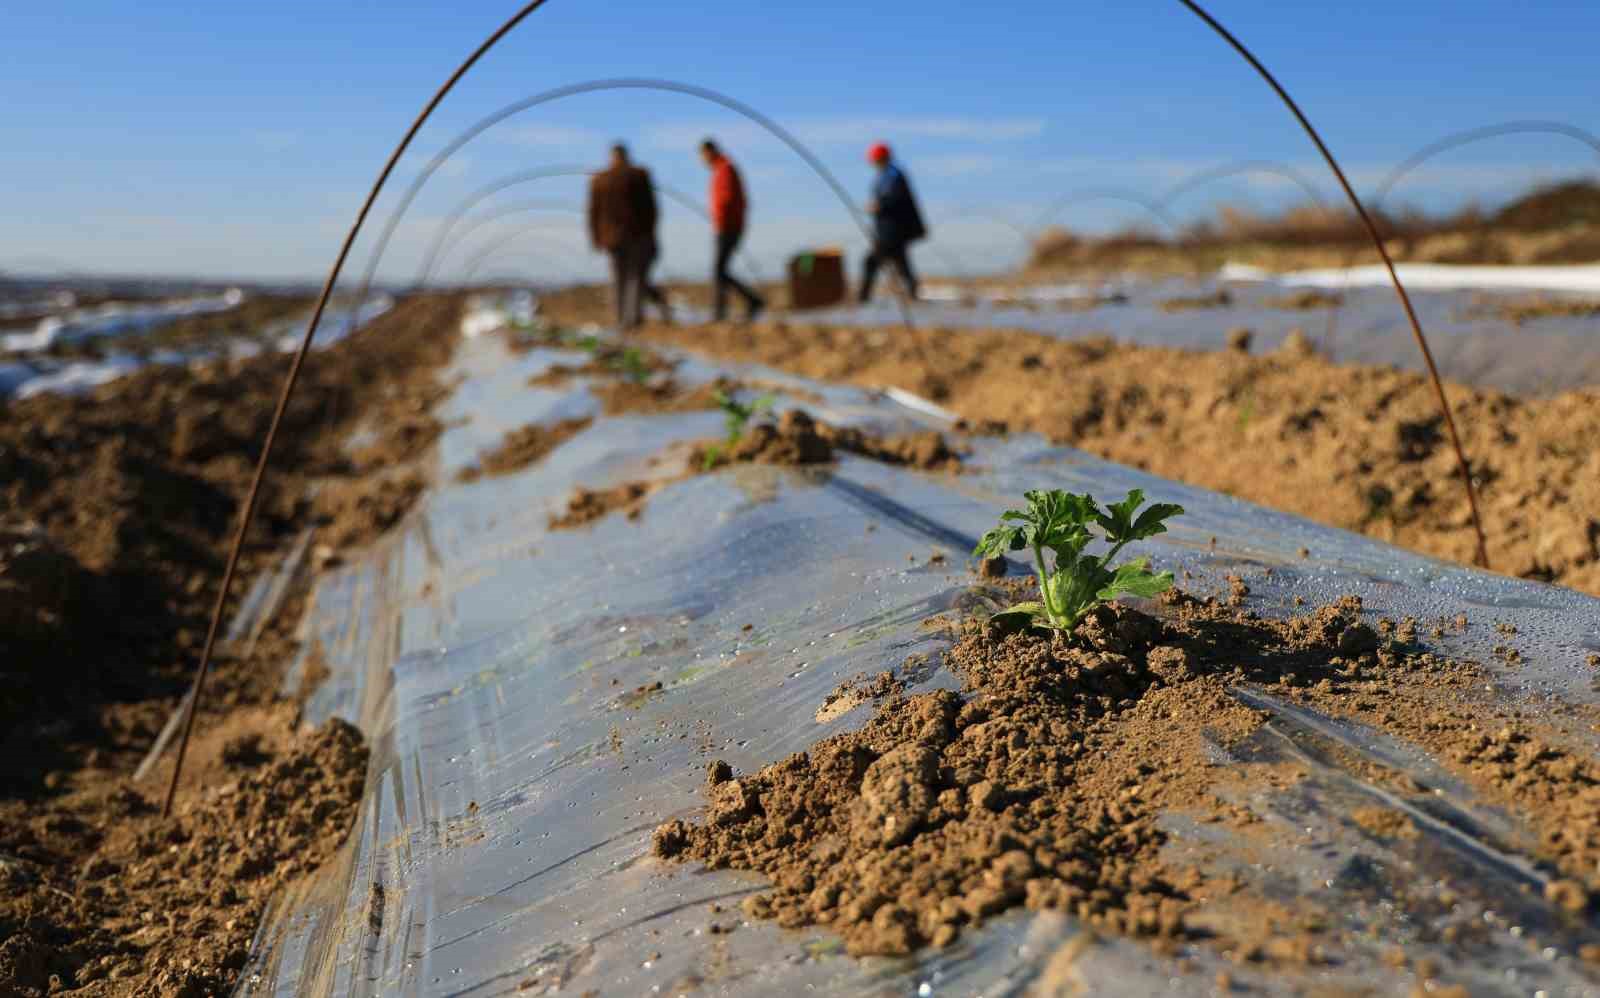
[(523, 753)]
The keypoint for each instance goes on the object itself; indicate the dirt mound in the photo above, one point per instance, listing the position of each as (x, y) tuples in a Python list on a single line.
[(795, 440), (798, 439), (1304, 300), (138, 481), (356, 511), (99, 892), (41, 586), (623, 397), (1044, 784), (1522, 310), (1220, 298), (589, 505), (1361, 448), (524, 446), (120, 507)]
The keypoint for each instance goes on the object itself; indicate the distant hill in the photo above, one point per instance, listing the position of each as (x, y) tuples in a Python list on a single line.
[(1556, 206)]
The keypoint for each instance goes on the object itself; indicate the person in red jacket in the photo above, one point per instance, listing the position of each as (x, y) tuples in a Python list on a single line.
[(727, 224)]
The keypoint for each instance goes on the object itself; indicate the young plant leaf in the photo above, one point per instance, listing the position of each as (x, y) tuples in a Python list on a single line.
[(1059, 522), (1134, 578)]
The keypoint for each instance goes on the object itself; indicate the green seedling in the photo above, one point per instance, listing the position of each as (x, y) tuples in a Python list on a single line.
[(632, 365), (736, 416), (1059, 522)]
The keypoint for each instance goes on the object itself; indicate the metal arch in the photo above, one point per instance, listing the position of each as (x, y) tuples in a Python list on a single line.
[(1468, 137), (989, 215), (1153, 208), (253, 497), (1197, 180), (525, 256), (620, 83), (520, 208), (486, 252), (436, 246), (1388, 263)]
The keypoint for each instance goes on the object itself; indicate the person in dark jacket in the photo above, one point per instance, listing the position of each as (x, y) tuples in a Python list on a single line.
[(896, 223), (622, 222), (728, 210)]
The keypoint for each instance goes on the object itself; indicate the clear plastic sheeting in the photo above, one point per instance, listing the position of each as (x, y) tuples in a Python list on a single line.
[(523, 751), (42, 374), (113, 319)]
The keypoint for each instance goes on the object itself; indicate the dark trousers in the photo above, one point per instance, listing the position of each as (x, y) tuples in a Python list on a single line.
[(630, 268), (897, 256), (721, 280)]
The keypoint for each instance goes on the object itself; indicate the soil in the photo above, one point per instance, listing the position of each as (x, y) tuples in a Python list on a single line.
[(622, 397), (523, 447), (1523, 310), (1217, 299), (588, 505), (356, 511), (1352, 446), (1044, 783), (105, 897), (604, 360), (119, 508), (794, 440), (1304, 300)]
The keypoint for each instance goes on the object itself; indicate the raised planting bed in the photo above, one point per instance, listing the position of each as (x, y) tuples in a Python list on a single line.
[(756, 735)]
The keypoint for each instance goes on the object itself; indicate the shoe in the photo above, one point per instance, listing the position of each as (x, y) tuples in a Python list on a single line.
[(756, 308)]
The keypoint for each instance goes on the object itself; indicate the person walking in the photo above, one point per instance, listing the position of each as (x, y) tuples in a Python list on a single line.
[(896, 223), (622, 222), (728, 210)]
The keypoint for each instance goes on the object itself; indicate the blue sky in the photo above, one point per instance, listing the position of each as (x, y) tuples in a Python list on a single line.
[(151, 138)]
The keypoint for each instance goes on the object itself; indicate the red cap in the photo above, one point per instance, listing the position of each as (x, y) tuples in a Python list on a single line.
[(879, 153)]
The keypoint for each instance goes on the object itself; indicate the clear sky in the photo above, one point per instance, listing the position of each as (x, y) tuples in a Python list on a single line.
[(235, 139)]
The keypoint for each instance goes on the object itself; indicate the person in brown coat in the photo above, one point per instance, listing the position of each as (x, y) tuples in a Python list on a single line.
[(622, 222)]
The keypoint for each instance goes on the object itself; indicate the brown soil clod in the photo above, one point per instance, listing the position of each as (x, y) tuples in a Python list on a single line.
[(1304, 300), (1221, 298), (623, 397), (798, 439), (1043, 784), (795, 440), (358, 510), (524, 446), (588, 505)]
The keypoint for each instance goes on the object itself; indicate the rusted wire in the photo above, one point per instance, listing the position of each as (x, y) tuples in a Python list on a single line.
[(1377, 240), (623, 83), (451, 220), (247, 514)]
